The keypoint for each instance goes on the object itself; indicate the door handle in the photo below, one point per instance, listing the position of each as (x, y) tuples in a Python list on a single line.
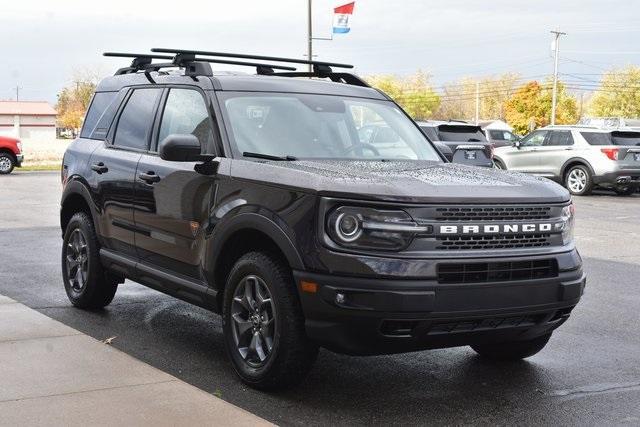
[(149, 177), (100, 168), (568, 149)]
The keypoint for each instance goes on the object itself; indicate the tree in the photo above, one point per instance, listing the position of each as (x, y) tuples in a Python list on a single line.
[(530, 107), (619, 94), (459, 98), (413, 93), (73, 100)]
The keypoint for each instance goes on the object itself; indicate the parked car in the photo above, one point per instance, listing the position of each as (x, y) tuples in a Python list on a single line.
[(255, 197), (10, 154), (384, 138), (611, 123), (477, 150), (579, 157), (501, 138)]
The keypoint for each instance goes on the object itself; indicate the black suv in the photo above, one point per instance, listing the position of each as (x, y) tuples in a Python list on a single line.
[(255, 197)]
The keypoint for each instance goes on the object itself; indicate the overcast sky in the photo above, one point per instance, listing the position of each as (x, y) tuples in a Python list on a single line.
[(42, 42)]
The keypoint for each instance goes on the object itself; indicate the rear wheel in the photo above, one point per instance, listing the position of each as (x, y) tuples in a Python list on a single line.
[(578, 180), (6, 163), (499, 165), (85, 282), (263, 324), (512, 350), (625, 191)]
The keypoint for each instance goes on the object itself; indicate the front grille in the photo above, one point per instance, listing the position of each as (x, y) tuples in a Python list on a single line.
[(481, 272), (506, 213), (507, 241)]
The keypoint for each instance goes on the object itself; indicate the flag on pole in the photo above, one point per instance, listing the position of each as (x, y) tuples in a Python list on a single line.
[(341, 16)]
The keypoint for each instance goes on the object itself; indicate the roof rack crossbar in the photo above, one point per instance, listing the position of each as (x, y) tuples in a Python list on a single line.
[(139, 62), (257, 57)]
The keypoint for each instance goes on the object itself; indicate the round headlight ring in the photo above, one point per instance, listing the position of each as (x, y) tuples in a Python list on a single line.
[(348, 227)]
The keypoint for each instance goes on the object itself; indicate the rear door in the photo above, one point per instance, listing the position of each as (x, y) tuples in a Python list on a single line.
[(556, 149), (525, 158), (113, 165), (172, 199)]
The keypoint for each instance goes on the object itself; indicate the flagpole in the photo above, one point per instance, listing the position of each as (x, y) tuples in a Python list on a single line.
[(310, 35)]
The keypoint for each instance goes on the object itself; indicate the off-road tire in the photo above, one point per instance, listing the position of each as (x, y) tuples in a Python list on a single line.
[(512, 350), (8, 163), (99, 288), (580, 170), (293, 354)]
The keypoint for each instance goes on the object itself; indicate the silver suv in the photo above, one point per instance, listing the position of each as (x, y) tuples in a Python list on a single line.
[(579, 157)]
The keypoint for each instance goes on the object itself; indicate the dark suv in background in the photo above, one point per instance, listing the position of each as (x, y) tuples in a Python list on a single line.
[(255, 196)]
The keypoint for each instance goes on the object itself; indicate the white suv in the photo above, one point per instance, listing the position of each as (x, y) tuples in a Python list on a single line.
[(579, 157)]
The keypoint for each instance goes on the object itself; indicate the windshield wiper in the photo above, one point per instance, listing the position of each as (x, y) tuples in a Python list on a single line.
[(267, 156)]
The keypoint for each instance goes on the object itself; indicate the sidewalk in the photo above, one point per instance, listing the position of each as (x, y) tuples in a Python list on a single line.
[(51, 374)]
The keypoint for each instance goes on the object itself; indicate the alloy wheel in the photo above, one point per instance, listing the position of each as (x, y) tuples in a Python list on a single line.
[(253, 318), (77, 260), (577, 180)]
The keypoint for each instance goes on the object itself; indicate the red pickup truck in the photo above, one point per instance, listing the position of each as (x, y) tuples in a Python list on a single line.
[(10, 154)]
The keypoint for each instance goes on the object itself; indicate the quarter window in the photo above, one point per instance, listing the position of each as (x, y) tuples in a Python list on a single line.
[(135, 121), (99, 107), (186, 113)]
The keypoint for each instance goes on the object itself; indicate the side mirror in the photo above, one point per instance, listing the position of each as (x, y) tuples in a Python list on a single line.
[(516, 144), (180, 148)]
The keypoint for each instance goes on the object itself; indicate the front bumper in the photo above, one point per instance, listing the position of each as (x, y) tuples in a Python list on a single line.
[(390, 315), (19, 159)]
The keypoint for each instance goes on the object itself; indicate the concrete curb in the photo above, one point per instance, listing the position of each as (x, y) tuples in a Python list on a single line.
[(55, 375)]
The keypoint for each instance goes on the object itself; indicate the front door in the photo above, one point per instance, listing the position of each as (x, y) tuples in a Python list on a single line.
[(172, 199), (525, 158), (113, 167)]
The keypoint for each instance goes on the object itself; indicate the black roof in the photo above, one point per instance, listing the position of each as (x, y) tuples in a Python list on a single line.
[(242, 82)]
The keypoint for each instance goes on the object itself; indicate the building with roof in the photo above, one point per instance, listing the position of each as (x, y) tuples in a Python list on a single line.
[(28, 119)]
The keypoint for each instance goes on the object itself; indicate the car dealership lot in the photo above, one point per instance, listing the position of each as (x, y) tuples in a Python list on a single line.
[(589, 373)]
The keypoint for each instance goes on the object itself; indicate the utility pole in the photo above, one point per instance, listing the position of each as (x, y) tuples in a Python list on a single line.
[(477, 102), (18, 93), (310, 34), (554, 96)]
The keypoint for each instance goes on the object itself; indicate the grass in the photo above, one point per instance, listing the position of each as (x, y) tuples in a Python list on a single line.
[(37, 167)]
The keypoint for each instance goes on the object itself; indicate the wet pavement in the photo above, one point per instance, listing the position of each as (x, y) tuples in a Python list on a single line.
[(589, 374)]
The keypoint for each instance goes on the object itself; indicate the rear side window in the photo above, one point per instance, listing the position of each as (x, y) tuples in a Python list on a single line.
[(559, 138), (99, 109), (431, 132), (136, 118)]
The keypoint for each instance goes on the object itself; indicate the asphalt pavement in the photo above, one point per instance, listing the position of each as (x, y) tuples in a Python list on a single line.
[(589, 374)]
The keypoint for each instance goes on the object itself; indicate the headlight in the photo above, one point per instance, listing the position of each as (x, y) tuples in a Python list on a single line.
[(368, 228), (567, 223)]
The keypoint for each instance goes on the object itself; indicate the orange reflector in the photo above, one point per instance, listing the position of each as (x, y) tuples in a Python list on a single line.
[(310, 287)]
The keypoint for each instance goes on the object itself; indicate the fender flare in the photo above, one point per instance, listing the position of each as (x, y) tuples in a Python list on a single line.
[(75, 187), (582, 161), (249, 219)]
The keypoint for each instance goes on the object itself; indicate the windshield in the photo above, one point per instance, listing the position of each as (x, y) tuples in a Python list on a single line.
[(308, 126), (461, 133)]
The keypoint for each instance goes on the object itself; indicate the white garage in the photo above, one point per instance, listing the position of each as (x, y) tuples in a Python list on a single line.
[(28, 119)]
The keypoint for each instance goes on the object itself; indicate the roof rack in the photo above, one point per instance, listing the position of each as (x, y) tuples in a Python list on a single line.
[(193, 66), (321, 69)]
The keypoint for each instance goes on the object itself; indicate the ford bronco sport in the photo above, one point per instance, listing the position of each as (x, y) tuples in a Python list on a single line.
[(253, 196)]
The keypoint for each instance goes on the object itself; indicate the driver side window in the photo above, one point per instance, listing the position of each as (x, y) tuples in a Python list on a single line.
[(534, 139)]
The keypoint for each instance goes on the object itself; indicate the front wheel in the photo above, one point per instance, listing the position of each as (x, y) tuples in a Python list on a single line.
[(85, 282), (512, 350), (499, 165), (263, 324), (6, 163), (578, 180)]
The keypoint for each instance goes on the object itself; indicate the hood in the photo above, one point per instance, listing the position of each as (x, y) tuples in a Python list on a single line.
[(410, 182)]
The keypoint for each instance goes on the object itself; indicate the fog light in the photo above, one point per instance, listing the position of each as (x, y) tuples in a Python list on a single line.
[(340, 298)]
